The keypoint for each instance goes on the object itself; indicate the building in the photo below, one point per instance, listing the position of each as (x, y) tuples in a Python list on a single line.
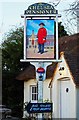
[(64, 90), (62, 81)]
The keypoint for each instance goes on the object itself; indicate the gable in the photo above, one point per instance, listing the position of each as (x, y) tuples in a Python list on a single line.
[(62, 70)]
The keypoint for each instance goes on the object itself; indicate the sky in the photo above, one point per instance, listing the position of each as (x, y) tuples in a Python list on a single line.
[(11, 11), (34, 25)]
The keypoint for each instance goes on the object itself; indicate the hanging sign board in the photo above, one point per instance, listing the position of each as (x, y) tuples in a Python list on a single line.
[(40, 40), (39, 107)]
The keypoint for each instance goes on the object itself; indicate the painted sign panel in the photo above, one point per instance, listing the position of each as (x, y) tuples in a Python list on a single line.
[(40, 8), (39, 107), (40, 42)]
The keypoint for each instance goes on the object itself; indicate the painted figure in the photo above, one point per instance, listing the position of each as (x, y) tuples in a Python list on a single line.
[(41, 35), (32, 39)]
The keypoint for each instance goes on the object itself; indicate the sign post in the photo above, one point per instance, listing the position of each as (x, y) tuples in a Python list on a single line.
[(57, 37), (40, 76), (39, 46), (40, 72)]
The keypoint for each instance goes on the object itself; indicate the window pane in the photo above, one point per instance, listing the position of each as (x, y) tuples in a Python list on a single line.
[(33, 89), (33, 96)]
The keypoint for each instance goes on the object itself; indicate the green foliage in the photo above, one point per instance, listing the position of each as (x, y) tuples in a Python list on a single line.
[(61, 30), (12, 52)]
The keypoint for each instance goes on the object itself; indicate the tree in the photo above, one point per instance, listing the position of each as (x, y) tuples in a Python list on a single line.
[(72, 17), (74, 8), (12, 89), (12, 51), (61, 30)]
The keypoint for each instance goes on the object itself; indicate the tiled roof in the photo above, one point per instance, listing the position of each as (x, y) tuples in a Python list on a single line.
[(73, 63), (70, 46), (28, 73)]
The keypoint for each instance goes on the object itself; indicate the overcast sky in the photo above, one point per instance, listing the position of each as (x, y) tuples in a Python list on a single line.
[(11, 10)]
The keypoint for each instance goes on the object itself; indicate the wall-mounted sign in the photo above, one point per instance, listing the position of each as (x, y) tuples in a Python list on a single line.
[(40, 43), (40, 8), (39, 107)]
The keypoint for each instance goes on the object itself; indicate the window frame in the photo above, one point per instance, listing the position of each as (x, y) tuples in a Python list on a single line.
[(33, 93)]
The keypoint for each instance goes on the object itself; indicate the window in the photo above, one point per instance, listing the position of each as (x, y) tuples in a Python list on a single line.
[(67, 90), (34, 93)]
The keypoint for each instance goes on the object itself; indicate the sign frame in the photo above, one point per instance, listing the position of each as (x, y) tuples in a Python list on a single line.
[(50, 42), (41, 16)]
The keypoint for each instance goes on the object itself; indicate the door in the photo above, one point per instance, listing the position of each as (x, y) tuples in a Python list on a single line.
[(64, 99)]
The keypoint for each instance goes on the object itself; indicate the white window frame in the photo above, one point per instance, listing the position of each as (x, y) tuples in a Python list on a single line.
[(32, 93)]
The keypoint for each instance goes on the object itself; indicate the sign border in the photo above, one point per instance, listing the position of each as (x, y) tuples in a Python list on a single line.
[(54, 43), (56, 50)]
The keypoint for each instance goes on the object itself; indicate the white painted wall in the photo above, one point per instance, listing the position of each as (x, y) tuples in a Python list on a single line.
[(77, 103), (70, 102), (27, 91), (46, 90)]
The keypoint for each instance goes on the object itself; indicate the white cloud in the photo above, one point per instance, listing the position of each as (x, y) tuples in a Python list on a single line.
[(29, 31), (34, 25), (47, 23)]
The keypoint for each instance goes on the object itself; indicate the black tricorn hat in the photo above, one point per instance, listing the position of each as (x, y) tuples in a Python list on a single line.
[(42, 24)]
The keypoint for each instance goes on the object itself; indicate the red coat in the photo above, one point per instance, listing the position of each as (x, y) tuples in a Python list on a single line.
[(42, 33)]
